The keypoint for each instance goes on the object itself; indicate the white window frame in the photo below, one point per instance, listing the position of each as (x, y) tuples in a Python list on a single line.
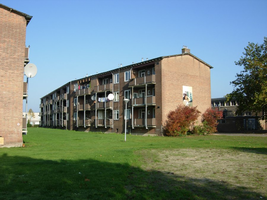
[(116, 114), (127, 76), (100, 114), (116, 78), (127, 94), (116, 96)]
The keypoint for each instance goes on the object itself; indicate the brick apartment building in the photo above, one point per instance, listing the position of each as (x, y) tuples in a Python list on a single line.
[(13, 56), (154, 88), (233, 123)]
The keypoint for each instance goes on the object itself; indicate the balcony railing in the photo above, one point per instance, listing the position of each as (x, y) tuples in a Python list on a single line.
[(105, 87), (81, 122), (101, 122), (141, 122), (25, 92), (83, 91), (101, 105), (87, 107), (143, 80), (151, 100)]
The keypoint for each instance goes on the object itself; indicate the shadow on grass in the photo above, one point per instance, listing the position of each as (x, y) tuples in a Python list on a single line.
[(251, 150), (28, 178)]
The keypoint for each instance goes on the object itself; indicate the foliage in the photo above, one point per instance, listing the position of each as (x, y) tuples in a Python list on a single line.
[(250, 86), (31, 113), (200, 129), (209, 120), (180, 120)]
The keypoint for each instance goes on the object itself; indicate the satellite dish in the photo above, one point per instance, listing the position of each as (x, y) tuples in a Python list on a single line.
[(110, 97), (30, 70), (93, 97)]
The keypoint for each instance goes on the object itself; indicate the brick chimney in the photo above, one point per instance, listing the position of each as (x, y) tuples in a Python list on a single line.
[(185, 50)]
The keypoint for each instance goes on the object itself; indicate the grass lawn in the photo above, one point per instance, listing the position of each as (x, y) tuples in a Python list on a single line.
[(59, 164)]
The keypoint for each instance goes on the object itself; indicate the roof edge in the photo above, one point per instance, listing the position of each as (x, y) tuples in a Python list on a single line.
[(26, 16), (190, 54)]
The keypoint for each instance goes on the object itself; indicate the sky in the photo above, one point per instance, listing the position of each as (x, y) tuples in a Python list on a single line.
[(70, 39)]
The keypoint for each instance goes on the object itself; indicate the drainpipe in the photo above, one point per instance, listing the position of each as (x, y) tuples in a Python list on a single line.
[(146, 106), (84, 103), (96, 109)]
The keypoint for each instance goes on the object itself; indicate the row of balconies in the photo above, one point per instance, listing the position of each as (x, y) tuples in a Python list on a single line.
[(151, 122), (50, 101), (109, 86), (54, 123), (58, 110), (151, 100)]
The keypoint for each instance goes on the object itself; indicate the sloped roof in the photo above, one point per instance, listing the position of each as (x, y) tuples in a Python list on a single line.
[(27, 17)]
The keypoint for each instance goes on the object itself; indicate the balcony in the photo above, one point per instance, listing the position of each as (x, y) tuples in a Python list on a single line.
[(151, 100), (151, 122), (84, 91), (80, 106), (82, 123), (87, 107), (64, 96), (25, 92), (103, 88), (143, 80), (101, 122), (101, 105)]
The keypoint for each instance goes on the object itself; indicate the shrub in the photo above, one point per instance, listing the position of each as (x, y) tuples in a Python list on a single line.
[(210, 118), (180, 120)]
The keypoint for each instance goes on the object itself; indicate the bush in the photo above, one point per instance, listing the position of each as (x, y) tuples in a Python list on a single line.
[(180, 120), (210, 120)]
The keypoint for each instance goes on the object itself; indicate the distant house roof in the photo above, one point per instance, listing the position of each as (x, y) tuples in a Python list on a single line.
[(27, 17)]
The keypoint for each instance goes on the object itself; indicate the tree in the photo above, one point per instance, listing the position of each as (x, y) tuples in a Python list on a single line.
[(250, 86), (210, 120), (31, 113), (180, 120)]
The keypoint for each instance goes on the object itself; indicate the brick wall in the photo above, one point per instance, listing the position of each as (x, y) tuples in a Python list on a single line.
[(181, 71), (12, 52)]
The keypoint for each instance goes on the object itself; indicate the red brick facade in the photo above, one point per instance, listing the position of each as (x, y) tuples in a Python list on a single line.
[(12, 54)]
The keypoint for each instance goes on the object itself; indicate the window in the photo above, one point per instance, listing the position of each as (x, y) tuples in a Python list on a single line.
[(100, 114), (116, 114), (127, 76), (127, 94), (148, 72), (141, 73), (153, 113), (75, 101), (116, 96), (67, 103), (135, 95), (153, 70), (127, 113), (116, 78), (68, 90), (105, 81)]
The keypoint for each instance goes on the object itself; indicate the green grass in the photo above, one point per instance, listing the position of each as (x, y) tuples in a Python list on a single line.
[(59, 164)]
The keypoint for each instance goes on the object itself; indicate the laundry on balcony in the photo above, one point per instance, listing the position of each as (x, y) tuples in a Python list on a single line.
[(103, 99)]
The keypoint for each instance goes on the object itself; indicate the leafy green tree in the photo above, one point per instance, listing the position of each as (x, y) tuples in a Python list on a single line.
[(250, 86)]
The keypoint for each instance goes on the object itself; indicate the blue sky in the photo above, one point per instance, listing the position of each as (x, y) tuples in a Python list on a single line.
[(72, 38)]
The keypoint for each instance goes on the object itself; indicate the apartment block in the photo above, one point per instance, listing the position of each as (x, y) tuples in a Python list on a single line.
[(13, 56), (153, 87)]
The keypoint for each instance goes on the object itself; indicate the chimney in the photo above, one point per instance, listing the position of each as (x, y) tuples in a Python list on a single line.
[(185, 50)]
